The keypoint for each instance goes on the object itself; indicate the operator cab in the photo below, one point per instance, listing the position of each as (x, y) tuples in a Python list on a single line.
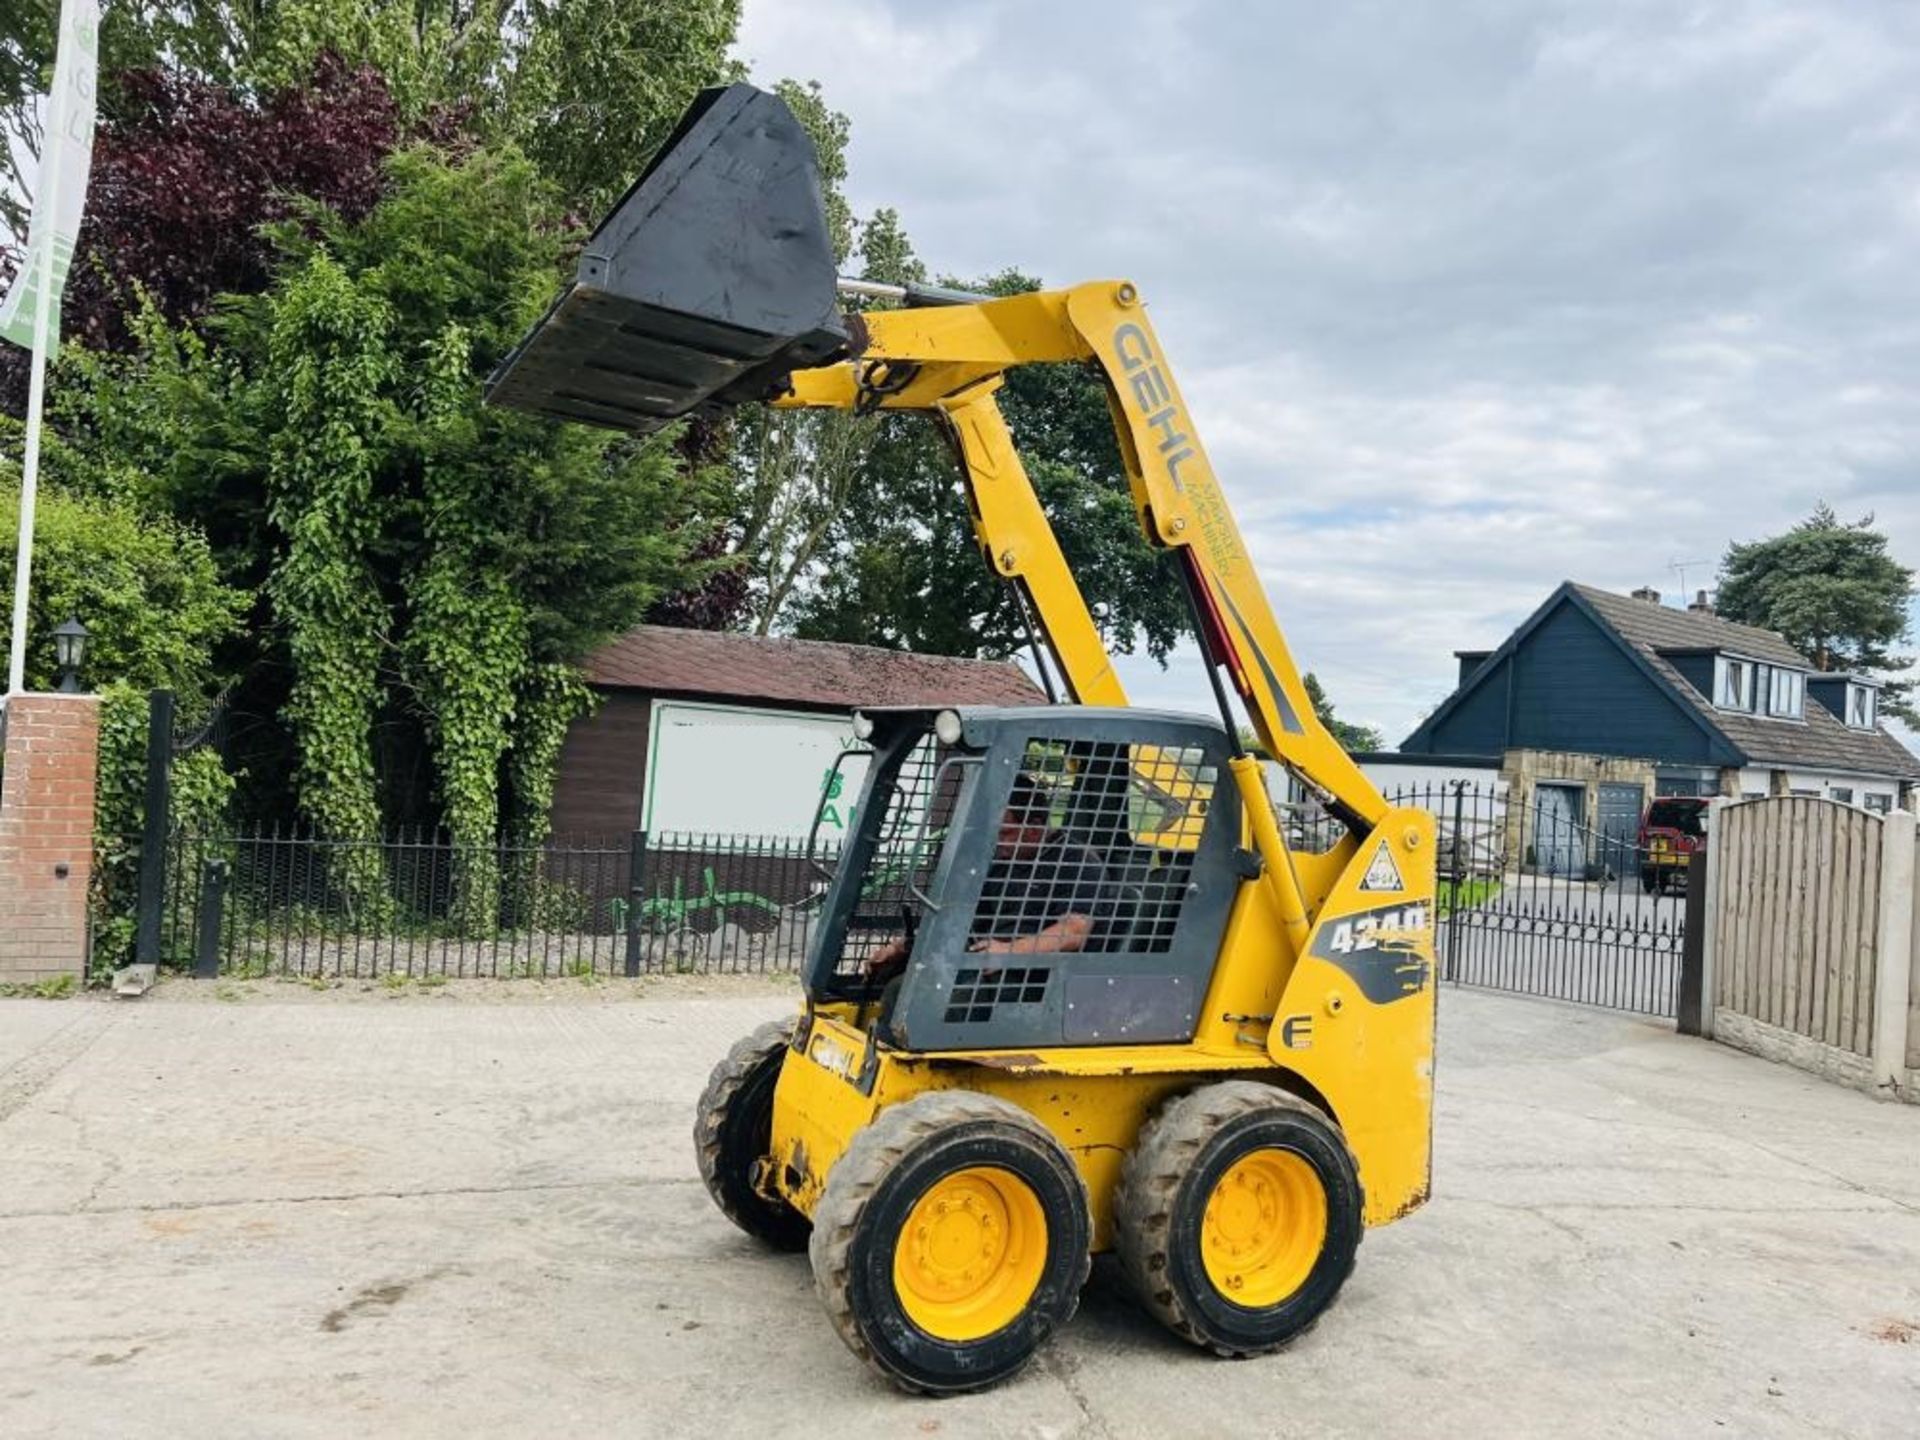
[(976, 827)]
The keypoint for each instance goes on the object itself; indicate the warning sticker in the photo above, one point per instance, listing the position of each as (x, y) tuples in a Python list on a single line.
[(1383, 874)]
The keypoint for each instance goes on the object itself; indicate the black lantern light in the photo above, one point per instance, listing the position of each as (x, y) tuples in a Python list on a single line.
[(70, 653)]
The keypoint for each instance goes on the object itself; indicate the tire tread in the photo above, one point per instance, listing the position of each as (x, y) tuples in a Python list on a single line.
[(729, 1078), (854, 1179), (1168, 1148)]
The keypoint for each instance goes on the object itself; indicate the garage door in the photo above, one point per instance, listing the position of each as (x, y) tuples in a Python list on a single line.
[(1619, 828), (1557, 837)]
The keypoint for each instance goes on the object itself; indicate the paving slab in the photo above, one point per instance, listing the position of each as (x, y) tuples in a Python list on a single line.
[(475, 1212)]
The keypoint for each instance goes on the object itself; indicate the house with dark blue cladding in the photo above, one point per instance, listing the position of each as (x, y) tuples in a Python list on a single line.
[(1598, 702)]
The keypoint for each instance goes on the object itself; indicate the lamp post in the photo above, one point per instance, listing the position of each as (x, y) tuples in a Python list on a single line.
[(70, 653)]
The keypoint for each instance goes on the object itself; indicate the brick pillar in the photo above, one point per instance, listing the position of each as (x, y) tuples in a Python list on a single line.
[(46, 834)]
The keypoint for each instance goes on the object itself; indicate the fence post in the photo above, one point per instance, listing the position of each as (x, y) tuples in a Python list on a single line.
[(214, 875), (1453, 902), (1714, 878), (636, 897), (1893, 976), (1693, 1013), (153, 831)]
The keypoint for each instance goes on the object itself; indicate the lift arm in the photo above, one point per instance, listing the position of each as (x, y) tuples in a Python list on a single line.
[(949, 360)]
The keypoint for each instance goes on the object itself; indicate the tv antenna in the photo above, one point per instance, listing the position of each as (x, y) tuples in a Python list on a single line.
[(1680, 568)]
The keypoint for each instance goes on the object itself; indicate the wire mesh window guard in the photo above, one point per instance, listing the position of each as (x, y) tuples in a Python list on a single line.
[(1098, 834), (976, 992), (914, 827)]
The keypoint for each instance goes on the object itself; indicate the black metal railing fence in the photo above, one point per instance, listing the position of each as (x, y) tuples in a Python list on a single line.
[(418, 905), (1531, 899)]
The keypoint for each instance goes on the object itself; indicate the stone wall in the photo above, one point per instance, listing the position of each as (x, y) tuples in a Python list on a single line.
[(1523, 770), (46, 835)]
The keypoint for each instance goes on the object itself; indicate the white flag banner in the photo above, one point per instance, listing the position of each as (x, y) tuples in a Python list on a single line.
[(66, 160)]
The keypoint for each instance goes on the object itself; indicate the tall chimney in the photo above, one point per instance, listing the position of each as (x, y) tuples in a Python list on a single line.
[(1701, 604), (1648, 594)]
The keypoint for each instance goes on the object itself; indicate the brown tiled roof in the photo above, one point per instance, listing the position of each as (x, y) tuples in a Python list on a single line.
[(1822, 743), (1654, 626), (801, 672)]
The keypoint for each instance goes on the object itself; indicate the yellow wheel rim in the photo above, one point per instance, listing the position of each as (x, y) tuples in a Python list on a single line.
[(970, 1255), (1265, 1226)]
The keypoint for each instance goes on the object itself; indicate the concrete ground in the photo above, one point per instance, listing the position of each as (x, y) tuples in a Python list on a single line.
[(427, 1214)]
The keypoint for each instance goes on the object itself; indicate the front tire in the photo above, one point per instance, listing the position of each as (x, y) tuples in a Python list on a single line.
[(952, 1239), (1238, 1216), (733, 1132)]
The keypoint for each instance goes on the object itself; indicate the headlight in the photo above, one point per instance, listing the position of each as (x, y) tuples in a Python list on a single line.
[(862, 725), (946, 727)]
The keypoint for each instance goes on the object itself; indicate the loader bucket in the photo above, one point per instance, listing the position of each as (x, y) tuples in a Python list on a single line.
[(709, 283)]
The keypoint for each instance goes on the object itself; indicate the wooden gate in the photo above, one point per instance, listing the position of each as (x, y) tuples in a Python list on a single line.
[(1796, 917)]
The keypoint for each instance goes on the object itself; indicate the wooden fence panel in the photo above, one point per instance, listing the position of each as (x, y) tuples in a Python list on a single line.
[(1796, 918), (1868, 945)]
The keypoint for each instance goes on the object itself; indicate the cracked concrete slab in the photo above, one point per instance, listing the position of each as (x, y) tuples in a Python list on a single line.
[(429, 1218)]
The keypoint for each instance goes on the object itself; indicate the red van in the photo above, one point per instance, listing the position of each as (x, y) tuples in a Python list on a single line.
[(1671, 833)]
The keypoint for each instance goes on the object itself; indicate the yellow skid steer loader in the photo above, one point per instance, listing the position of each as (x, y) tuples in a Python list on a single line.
[(1071, 990)]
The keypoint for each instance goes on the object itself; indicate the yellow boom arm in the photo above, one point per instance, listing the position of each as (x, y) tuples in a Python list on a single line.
[(949, 360)]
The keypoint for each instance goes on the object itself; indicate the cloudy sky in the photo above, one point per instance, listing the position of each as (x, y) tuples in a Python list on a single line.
[(1467, 298)]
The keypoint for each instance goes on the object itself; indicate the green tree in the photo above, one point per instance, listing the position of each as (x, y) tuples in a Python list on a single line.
[(426, 561), (594, 86), (145, 586), (330, 362), (202, 38), (587, 88), (1834, 591), (1351, 736), (797, 472)]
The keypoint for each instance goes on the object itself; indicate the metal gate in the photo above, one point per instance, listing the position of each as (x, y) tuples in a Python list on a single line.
[(1536, 902)]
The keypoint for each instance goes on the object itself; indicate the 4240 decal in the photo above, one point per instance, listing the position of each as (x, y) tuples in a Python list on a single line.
[(1380, 951)]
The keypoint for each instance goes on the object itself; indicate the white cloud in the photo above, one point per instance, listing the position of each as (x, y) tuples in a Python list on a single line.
[(1467, 299)]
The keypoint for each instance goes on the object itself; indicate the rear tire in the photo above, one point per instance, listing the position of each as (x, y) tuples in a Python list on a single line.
[(1238, 1216), (733, 1131), (952, 1239)]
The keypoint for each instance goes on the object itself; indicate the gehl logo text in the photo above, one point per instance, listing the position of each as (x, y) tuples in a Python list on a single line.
[(1155, 399)]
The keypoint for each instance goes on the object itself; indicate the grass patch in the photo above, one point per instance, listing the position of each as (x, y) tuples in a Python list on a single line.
[(1465, 894), (54, 987)]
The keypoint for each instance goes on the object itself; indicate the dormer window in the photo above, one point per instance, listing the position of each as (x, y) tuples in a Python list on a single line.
[(1785, 691), (1863, 706), (1732, 683), (1755, 689)]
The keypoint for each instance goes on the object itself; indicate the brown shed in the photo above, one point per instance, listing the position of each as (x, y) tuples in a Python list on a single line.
[(598, 790)]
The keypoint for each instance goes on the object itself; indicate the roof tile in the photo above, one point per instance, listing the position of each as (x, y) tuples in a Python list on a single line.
[(1653, 626), (801, 672), (1823, 742)]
